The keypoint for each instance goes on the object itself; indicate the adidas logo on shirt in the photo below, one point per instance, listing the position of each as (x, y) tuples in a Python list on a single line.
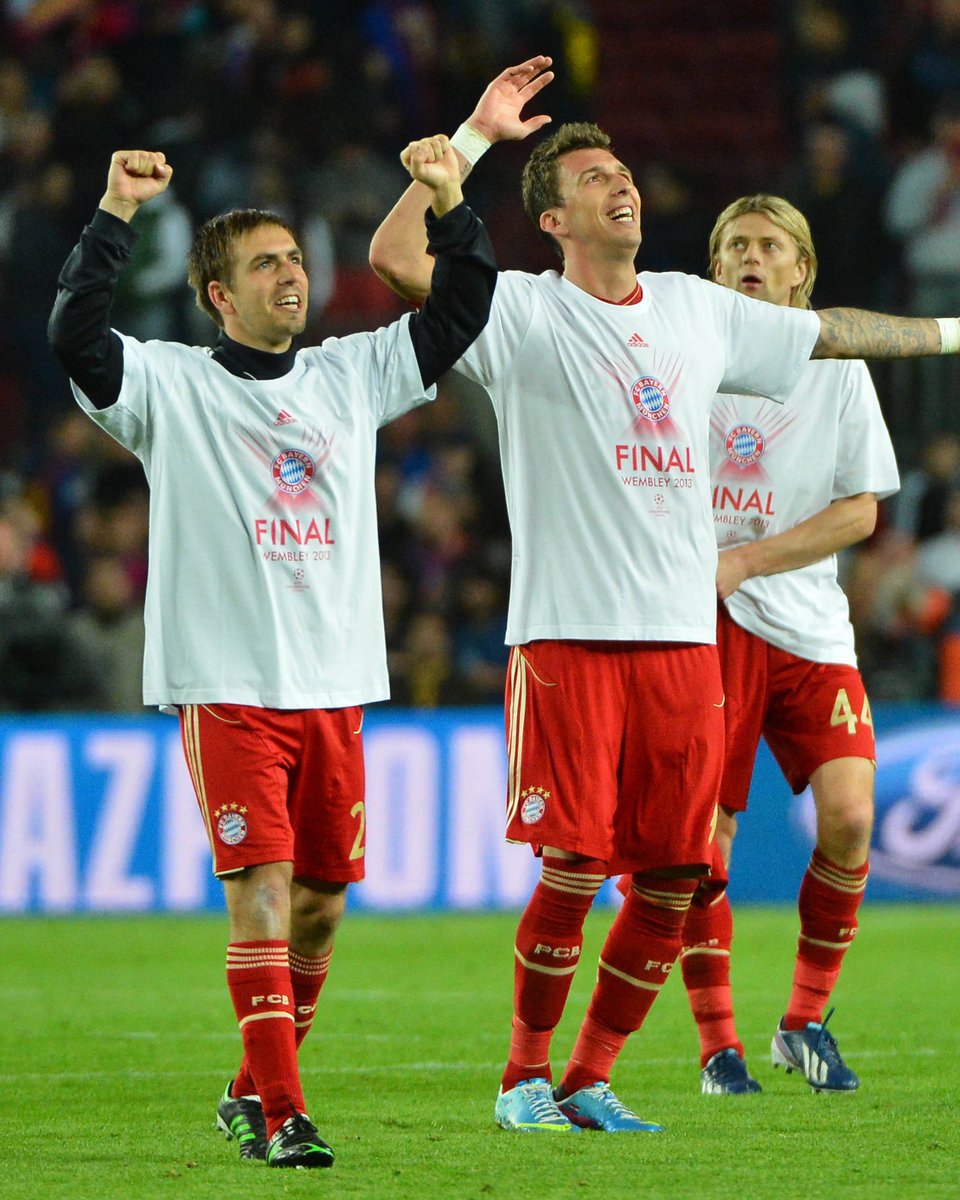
[(284, 418), (636, 342)]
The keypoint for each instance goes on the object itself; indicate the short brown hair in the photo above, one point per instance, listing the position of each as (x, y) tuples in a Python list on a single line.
[(786, 217), (211, 255), (541, 176)]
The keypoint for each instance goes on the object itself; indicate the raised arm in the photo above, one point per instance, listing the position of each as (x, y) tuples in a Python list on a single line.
[(465, 274), (856, 333), (79, 326), (841, 524), (398, 251)]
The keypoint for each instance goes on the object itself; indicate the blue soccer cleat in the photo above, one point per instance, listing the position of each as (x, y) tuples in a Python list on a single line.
[(596, 1107), (813, 1052), (530, 1108), (726, 1074)]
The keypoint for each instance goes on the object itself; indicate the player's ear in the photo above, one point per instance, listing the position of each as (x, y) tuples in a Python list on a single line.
[(220, 297), (551, 221)]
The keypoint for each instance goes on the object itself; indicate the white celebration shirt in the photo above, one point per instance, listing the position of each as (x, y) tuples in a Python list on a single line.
[(774, 466), (264, 577), (604, 419)]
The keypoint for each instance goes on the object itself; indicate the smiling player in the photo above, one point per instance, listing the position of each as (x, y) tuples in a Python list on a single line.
[(263, 610), (614, 699)]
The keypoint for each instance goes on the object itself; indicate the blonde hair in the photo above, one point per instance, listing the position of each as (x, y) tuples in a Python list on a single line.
[(786, 217)]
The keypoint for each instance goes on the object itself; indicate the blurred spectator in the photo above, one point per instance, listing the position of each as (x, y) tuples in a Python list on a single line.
[(673, 222), (938, 558), (932, 63), (826, 183), (920, 507), (152, 296), (896, 618), (115, 519), (480, 625), (108, 633), (93, 115), (40, 666), (923, 212), (428, 676)]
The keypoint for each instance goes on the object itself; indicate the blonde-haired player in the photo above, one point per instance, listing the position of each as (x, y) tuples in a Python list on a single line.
[(793, 484)]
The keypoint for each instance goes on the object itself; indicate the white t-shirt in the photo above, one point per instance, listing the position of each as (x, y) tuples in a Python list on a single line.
[(774, 466), (604, 417), (264, 579)]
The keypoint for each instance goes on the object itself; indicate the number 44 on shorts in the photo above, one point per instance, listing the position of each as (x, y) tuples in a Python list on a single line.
[(843, 714)]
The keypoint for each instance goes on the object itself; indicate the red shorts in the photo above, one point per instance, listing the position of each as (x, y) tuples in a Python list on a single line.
[(808, 713), (615, 750), (279, 786)]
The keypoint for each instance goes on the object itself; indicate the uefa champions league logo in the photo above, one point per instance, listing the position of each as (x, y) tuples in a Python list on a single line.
[(744, 445), (292, 471)]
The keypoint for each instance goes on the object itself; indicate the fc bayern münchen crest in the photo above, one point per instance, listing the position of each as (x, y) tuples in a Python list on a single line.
[(534, 805), (231, 828), (744, 444), (650, 397), (292, 471)]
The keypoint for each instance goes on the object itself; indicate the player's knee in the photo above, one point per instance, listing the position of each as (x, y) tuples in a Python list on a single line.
[(843, 831), (316, 912)]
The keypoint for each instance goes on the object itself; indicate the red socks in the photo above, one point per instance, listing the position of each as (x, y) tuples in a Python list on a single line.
[(705, 962), (258, 976), (308, 974), (640, 950), (829, 898), (549, 939)]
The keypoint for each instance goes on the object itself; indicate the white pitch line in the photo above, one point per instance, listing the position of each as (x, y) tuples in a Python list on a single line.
[(385, 1068)]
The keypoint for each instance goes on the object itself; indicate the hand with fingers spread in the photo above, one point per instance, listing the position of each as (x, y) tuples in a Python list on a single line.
[(497, 114), (135, 176), (431, 161)]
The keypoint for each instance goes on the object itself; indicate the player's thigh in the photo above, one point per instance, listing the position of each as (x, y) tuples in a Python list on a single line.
[(818, 713), (327, 797), (743, 667), (672, 758), (564, 722), (239, 760)]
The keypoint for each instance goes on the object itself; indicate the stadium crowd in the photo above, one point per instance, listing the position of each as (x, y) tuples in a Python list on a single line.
[(302, 107)]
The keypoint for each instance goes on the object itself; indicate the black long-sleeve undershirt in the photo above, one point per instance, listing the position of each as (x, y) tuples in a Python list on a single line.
[(464, 278)]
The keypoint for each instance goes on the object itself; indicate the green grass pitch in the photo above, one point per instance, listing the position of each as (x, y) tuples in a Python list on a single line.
[(117, 1037)]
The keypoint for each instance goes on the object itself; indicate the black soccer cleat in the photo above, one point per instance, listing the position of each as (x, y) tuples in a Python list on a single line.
[(241, 1118), (298, 1144)]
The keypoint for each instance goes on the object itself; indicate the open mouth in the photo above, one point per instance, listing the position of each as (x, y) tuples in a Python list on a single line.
[(290, 303), (623, 214)]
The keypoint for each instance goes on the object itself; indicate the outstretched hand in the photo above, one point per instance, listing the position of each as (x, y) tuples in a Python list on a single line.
[(135, 176), (497, 115), (432, 161)]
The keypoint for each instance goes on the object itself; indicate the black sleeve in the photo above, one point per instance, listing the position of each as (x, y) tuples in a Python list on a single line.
[(464, 278), (79, 327)]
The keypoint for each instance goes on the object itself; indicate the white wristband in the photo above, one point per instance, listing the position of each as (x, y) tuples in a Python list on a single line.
[(471, 144), (949, 334)]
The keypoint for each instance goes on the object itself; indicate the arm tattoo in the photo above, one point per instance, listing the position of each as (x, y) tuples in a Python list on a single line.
[(855, 333)]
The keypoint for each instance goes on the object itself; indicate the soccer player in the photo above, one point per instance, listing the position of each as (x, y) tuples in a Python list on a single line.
[(792, 485), (263, 610), (603, 382)]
